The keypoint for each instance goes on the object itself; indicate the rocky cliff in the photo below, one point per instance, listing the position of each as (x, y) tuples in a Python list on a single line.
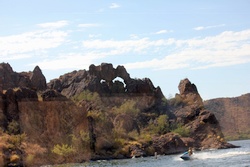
[(98, 113), (233, 115)]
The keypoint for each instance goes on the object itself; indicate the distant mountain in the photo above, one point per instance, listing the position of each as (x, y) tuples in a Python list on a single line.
[(233, 115)]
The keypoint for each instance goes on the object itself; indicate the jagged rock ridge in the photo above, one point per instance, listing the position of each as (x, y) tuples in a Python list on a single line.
[(103, 79), (9, 79)]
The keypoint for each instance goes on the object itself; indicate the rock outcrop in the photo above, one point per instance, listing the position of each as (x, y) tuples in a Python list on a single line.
[(233, 115), (105, 80), (204, 127), (10, 79)]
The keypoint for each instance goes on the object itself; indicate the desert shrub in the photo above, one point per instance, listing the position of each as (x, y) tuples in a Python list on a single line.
[(13, 127), (162, 124), (182, 130), (129, 107), (176, 101), (82, 139), (63, 150), (159, 125), (15, 141), (86, 95), (96, 115)]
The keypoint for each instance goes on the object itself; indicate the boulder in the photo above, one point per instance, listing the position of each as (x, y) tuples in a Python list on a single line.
[(169, 143)]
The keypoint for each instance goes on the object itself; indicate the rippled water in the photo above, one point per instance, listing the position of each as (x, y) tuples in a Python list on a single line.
[(237, 157)]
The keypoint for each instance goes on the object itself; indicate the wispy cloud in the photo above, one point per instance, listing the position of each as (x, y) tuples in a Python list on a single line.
[(88, 25), (208, 27), (114, 6), (16, 46), (68, 61), (226, 49), (125, 46), (163, 31), (57, 24)]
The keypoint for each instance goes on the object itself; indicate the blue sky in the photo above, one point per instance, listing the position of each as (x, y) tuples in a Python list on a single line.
[(164, 40)]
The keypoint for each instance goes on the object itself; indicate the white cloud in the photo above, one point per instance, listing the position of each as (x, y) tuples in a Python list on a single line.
[(199, 28), (57, 24), (95, 35), (114, 6), (226, 49), (208, 27), (68, 61), (88, 25), (126, 46), (23, 44), (163, 31)]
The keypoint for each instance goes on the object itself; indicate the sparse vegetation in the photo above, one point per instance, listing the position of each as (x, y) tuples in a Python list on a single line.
[(15, 141), (64, 150), (176, 101), (182, 130), (86, 95), (159, 125), (13, 127), (129, 107)]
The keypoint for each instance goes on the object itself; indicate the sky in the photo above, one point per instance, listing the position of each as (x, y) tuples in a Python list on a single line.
[(207, 42)]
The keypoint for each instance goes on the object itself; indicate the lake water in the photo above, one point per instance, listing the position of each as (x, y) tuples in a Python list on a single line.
[(236, 157)]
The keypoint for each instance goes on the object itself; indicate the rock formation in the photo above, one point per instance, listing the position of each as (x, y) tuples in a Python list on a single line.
[(103, 79), (90, 114), (203, 126), (9, 79)]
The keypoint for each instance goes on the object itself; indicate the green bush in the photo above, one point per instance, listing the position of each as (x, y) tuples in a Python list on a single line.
[(129, 107), (13, 127), (182, 131), (160, 125), (63, 150), (86, 95), (15, 141), (176, 101)]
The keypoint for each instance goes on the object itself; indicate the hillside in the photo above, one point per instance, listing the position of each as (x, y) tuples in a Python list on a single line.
[(233, 115), (99, 113)]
